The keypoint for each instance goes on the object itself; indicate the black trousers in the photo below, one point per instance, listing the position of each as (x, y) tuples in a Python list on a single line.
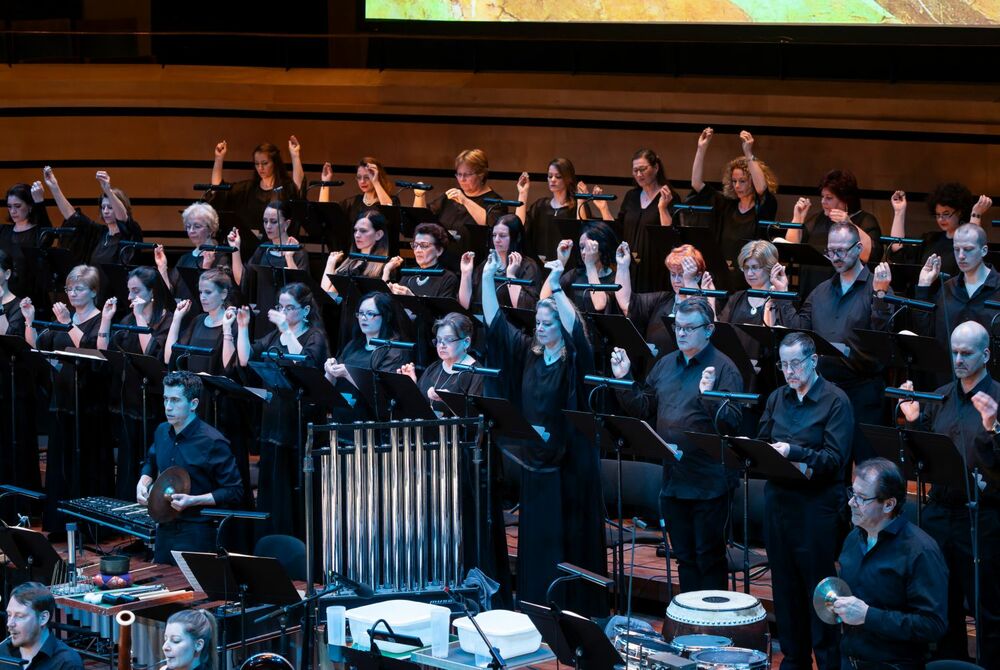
[(182, 535), (697, 531), (803, 533), (949, 526)]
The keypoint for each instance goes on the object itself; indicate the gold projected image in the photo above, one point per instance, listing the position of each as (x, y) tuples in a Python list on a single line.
[(847, 12)]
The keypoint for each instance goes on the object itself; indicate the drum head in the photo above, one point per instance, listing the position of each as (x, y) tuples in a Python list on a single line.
[(637, 646), (733, 658), (690, 643), (715, 608)]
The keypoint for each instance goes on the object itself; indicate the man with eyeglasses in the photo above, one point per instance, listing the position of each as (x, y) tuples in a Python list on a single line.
[(897, 576), (694, 495), (809, 421), (850, 300), (968, 416)]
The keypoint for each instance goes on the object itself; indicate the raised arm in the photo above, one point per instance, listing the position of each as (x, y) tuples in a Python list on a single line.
[(104, 331), (979, 209), (663, 205), (698, 165), (295, 150), (228, 341), (160, 258), (220, 157), (756, 173), (383, 197), (601, 205), (325, 175), (237, 259), (62, 203), (28, 312), (591, 254), (183, 307), (623, 259), (243, 347), (898, 201), (562, 255), (467, 265), (491, 305), (567, 311), (523, 188), (117, 206), (799, 213)]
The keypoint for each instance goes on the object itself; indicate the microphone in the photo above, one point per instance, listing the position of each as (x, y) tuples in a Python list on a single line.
[(420, 185), (325, 184), (596, 287), (142, 330), (591, 196), (903, 394), (204, 351), (786, 225), (888, 239), (922, 305), (213, 187), (136, 245), (53, 325), (500, 279), (428, 272), (501, 201), (596, 380), (234, 514), (65, 230), (280, 247), (224, 248), (476, 370), (392, 344), (693, 208), (704, 292), (371, 258), (586, 575), (278, 355), (497, 660), (776, 295), (361, 590), (749, 398)]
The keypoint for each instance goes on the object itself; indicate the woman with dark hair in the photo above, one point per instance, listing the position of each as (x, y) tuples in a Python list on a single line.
[(597, 251), (190, 641), (748, 188), (950, 204), (97, 243), (507, 236), (276, 221), (452, 338), (541, 233), (429, 242), (840, 199), (374, 184), (18, 464), (26, 211), (370, 231), (377, 317), (298, 331), (650, 203), (561, 517), (270, 182), (149, 307), (89, 387)]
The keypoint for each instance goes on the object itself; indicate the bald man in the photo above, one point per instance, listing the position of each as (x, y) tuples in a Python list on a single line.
[(968, 416)]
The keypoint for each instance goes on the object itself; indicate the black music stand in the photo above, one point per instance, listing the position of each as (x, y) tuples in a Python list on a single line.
[(20, 356), (52, 264), (391, 395), (616, 330), (801, 254), (29, 551), (324, 223), (909, 352), (894, 444), (432, 306), (592, 650), (904, 277), (480, 239), (254, 580), (726, 340), (547, 623), (152, 371), (524, 319), (224, 386), (406, 219), (190, 278), (770, 338), (114, 283), (345, 284)]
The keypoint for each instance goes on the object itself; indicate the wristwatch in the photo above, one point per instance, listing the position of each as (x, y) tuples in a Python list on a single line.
[(996, 426), (879, 294)]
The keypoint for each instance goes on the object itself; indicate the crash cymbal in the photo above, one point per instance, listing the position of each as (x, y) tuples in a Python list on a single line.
[(174, 479), (825, 593)]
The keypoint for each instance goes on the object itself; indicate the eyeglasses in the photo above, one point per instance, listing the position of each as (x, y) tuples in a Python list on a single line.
[(795, 364), (858, 500), (77, 289), (438, 341), (640, 170), (841, 253), (367, 315), (944, 215), (465, 175), (194, 226), (287, 308), (422, 246), (684, 330)]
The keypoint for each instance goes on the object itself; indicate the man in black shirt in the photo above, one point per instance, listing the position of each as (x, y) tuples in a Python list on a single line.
[(808, 421), (29, 611), (968, 416), (852, 299), (695, 495), (186, 441), (896, 573)]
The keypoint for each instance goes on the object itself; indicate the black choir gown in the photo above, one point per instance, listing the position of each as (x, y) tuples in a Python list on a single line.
[(445, 286), (18, 465), (93, 242), (126, 402), (731, 227), (455, 218), (246, 201), (179, 288), (27, 280), (562, 510), (95, 475), (528, 297), (541, 233), (356, 355), (278, 482), (355, 206), (631, 225)]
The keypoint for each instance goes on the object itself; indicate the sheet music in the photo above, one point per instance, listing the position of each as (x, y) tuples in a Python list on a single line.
[(186, 571)]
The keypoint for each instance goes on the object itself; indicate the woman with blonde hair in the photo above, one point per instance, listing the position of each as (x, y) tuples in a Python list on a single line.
[(190, 641)]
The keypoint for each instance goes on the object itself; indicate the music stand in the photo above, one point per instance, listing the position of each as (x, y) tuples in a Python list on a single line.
[(52, 264), (190, 278), (433, 306), (910, 352), (323, 222), (524, 319), (224, 386), (19, 355), (30, 551), (391, 395), (616, 330), (727, 341), (406, 219), (591, 647), (904, 277)]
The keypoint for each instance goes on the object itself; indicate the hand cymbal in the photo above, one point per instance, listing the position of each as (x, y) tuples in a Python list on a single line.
[(174, 479), (825, 593)]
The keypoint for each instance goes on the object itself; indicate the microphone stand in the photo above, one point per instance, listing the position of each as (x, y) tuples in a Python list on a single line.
[(618, 562), (496, 662)]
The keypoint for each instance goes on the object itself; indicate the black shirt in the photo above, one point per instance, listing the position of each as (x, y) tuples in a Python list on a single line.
[(834, 315), (817, 230), (647, 311), (205, 453), (54, 654), (819, 428), (904, 581), (541, 233), (93, 242), (444, 286), (671, 393), (934, 242), (959, 419), (731, 227), (355, 206), (955, 306)]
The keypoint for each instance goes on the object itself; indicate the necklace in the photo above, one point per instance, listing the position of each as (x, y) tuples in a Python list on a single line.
[(437, 382), (367, 201), (551, 358)]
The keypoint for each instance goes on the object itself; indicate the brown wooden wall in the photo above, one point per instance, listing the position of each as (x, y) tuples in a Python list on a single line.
[(129, 118)]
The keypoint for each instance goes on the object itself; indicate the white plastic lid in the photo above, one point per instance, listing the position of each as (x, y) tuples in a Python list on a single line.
[(499, 622), (396, 612)]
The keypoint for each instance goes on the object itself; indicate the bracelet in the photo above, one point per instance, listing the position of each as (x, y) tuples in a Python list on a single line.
[(104, 335), (557, 290), (975, 216), (227, 337)]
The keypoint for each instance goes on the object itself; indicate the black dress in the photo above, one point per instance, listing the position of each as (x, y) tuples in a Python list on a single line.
[(355, 206), (96, 474), (17, 465), (356, 355), (246, 200), (28, 280), (562, 513), (528, 297), (455, 218), (278, 482), (631, 225), (264, 293), (541, 233), (93, 242), (731, 227), (126, 404)]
